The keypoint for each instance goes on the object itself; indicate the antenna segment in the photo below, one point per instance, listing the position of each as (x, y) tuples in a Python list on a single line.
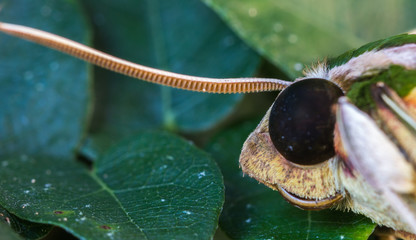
[(200, 84)]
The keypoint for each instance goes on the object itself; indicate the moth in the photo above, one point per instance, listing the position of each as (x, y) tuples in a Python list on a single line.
[(343, 136)]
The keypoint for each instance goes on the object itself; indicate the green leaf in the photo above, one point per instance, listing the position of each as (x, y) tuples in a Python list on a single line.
[(154, 186), (44, 93), (401, 80), (7, 233), (28, 230), (394, 41), (182, 36), (291, 33), (253, 211)]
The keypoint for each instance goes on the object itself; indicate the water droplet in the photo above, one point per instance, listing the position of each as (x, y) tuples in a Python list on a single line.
[(65, 219), (229, 41), (169, 157), (99, 19), (25, 205), (292, 38), (88, 205), (163, 200), (298, 66), (33, 180), (48, 185), (187, 212), (201, 174), (36, 213), (28, 75), (26, 191), (45, 11), (57, 16), (54, 66), (248, 220), (252, 12), (40, 87), (24, 120), (80, 213), (277, 27), (290, 147), (341, 237)]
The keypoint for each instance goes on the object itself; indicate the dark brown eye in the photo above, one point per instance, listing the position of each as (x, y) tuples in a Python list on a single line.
[(301, 123)]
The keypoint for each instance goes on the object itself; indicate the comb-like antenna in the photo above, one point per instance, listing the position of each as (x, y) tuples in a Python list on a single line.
[(200, 84)]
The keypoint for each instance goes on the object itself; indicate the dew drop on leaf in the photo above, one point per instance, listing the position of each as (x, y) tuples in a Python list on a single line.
[(277, 27), (298, 66), (201, 174), (54, 66), (292, 38), (187, 212), (252, 12), (45, 11), (28, 75)]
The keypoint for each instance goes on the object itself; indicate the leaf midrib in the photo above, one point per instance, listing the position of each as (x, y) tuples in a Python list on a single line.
[(111, 192)]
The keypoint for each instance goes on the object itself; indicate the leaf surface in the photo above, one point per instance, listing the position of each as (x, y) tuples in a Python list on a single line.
[(7, 233), (292, 33), (44, 93), (154, 186)]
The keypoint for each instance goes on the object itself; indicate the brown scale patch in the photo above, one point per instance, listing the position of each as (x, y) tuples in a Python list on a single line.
[(260, 160), (105, 227)]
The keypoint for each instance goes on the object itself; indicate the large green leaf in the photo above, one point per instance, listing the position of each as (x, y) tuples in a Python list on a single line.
[(154, 186), (182, 36), (291, 33), (44, 93), (253, 211)]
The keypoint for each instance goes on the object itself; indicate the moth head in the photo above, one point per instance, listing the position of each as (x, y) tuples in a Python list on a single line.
[(283, 153), (292, 149)]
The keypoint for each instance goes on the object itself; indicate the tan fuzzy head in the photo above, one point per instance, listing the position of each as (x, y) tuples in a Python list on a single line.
[(260, 160)]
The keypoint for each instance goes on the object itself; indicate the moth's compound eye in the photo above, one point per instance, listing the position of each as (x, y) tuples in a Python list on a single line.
[(301, 124)]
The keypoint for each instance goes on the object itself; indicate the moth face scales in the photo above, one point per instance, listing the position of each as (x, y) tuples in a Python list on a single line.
[(383, 188)]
